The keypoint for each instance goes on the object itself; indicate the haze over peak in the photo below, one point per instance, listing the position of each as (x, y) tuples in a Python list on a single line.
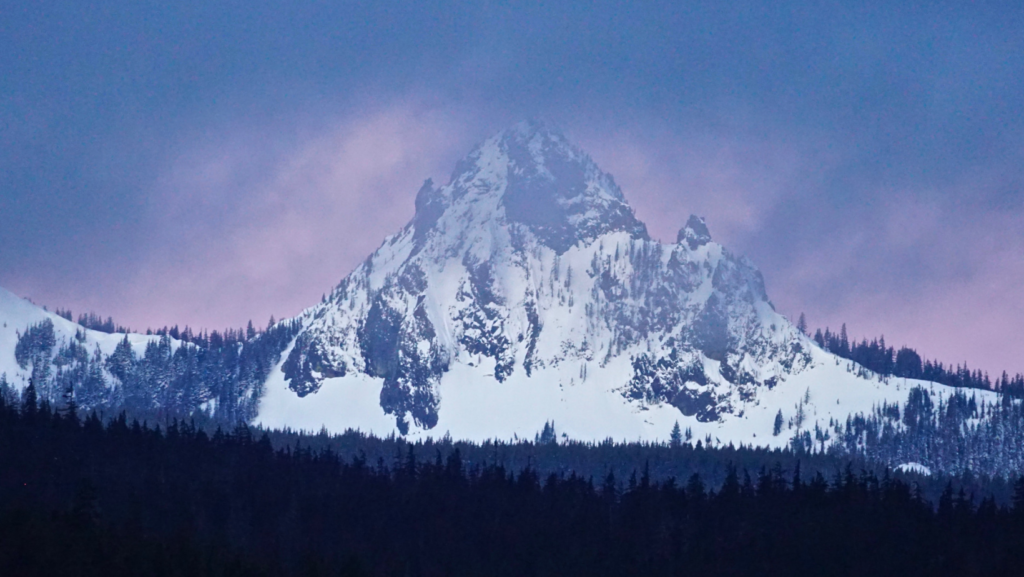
[(532, 175)]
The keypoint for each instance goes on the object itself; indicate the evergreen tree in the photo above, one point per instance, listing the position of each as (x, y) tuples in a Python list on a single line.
[(798, 418), (547, 435), (676, 437), (1018, 497), (121, 363), (93, 392), (819, 338), (777, 427), (29, 399), (7, 392)]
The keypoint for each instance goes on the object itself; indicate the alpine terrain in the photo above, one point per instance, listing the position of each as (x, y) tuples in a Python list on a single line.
[(525, 291), (523, 295)]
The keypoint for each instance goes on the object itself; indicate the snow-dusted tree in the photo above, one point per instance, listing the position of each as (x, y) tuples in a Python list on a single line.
[(121, 363), (92, 393)]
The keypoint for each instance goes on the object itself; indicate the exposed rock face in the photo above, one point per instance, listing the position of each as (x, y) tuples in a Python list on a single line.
[(531, 258), (558, 193), (695, 233)]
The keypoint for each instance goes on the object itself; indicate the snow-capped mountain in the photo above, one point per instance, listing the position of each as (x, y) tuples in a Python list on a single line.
[(522, 292), (525, 290)]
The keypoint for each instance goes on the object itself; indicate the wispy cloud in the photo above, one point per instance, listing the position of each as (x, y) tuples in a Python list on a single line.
[(931, 273), (935, 268), (245, 230), (734, 181)]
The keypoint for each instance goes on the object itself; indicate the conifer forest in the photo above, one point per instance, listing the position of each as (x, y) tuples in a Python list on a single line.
[(83, 497)]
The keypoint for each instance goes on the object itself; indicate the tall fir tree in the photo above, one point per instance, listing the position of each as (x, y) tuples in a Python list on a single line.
[(29, 399)]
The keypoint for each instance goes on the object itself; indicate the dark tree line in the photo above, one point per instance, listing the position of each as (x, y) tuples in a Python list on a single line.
[(905, 362), (95, 322), (661, 461), (83, 498)]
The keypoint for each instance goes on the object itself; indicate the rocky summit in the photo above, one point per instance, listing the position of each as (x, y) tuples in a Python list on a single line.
[(529, 266)]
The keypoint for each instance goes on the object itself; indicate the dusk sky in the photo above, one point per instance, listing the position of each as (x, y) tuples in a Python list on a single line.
[(205, 163)]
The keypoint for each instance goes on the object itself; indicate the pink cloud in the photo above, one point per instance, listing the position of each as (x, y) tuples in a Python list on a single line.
[(944, 281), (245, 231), (733, 182), (914, 265)]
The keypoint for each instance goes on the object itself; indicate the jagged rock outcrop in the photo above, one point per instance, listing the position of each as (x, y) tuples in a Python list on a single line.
[(528, 259)]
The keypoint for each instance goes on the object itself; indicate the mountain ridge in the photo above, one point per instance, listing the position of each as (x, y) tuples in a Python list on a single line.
[(522, 292), (476, 288)]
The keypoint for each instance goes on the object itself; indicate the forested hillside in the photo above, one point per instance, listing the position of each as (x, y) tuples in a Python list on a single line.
[(907, 363), (81, 498), (216, 376)]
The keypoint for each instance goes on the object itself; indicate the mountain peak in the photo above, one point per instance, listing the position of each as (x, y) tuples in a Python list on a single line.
[(531, 175), (695, 233), (525, 148), (527, 130), (529, 267)]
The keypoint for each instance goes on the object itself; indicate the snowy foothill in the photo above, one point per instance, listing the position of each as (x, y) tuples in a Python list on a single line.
[(18, 314)]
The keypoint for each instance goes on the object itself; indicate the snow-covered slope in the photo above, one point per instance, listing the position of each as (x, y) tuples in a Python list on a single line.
[(18, 314), (209, 375), (525, 291)]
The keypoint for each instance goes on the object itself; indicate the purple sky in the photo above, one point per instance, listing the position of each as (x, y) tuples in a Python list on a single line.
[(869, 161)]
